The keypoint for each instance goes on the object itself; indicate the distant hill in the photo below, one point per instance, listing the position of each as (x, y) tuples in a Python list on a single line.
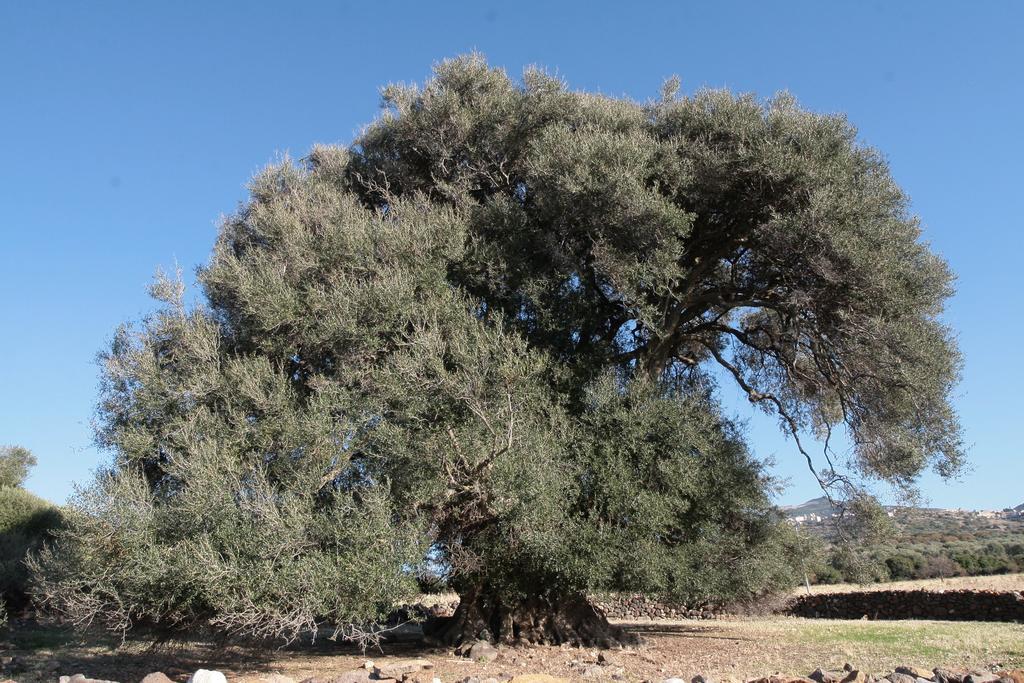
[(819, 510), (813, 506)]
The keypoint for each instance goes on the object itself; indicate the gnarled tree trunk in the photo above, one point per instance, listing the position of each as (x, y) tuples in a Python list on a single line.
[(542, 620)]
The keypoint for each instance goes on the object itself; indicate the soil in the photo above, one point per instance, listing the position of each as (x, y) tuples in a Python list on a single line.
[(733, 650)]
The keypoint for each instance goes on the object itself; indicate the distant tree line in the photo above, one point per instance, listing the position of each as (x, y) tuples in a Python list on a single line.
[(931, 561)]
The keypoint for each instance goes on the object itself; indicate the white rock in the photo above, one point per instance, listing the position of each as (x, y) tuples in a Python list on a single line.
[(207, 676)]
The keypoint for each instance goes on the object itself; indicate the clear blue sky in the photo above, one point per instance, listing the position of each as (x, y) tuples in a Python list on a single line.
[(127, 128)]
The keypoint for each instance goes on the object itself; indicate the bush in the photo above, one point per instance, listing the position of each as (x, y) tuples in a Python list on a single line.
[(940, 567), (828, 575), (902, 567), (26, 520)]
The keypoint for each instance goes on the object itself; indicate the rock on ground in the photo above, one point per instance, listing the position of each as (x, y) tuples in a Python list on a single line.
[(822, 676), (483, 651), (361, 675), (206, 676), (401, 668), (898, 677), (157, 677)]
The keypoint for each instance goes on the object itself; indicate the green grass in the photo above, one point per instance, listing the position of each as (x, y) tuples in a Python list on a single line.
[(884, 645)]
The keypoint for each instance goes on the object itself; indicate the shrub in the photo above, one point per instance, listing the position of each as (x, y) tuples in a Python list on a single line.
[(939, 567), (903, 566), (26, 520)]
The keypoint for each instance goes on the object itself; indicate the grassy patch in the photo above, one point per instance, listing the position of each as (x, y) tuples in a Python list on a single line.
[(1001, 582), (878, 646)]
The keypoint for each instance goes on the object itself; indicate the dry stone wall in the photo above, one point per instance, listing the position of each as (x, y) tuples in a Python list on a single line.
[(639, 606), (951, 605)]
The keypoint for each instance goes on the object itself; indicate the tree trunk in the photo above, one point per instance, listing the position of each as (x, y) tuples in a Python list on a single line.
[(541, 620)]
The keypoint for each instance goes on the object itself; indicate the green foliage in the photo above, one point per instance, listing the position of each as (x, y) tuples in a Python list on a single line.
[(711, 231), (928, 544), (240, 556), (15, 463), (483, 339), (26, 521)]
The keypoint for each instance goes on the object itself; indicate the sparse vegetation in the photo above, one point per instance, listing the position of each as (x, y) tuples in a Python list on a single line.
[(26, 521)]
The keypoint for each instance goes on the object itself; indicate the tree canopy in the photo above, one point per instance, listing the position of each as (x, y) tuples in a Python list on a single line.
[(15, 464), (487, 337)]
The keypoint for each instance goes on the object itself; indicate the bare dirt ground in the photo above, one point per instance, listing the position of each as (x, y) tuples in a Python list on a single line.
[(737, 650), (1001, 582)]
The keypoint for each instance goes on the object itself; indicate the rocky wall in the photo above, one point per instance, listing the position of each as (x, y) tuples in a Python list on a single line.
[(950, 605)]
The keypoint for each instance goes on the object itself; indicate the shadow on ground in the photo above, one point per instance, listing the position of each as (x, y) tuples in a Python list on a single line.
[(682, 630), (43, 653)]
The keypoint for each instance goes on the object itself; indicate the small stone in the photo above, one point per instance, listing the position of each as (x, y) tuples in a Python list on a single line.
[(847, 667), (673, 680), (538, 678), (13, 664), (483, 651), (418, 677), (916, 672), (400, 668), (368, 665), (855, 676), (1016, 675), (898, 677), (206, 676), (157, 677), (822, 676), (981, 677), (947, 676), (701, 679), (359, 675), (592, 671)]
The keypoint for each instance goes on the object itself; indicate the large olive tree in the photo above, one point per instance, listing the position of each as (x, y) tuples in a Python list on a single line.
[(485, 339)]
